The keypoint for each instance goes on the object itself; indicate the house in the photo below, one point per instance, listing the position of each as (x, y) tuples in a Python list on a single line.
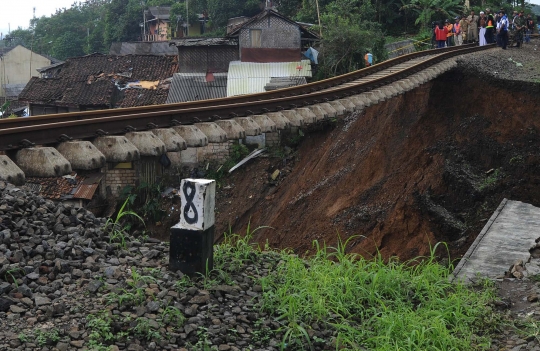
[(160, 25), (259, 54), (271, 37), (100, 81), (17, 66)]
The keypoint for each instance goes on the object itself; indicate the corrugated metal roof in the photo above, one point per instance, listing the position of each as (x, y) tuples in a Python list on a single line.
[(194, 87), (251, 77), (85, 191)]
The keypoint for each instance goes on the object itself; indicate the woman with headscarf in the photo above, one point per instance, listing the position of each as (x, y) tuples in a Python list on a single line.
[(482, 22)]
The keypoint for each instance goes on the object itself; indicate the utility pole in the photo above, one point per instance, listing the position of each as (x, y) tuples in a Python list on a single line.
[(187, 18)]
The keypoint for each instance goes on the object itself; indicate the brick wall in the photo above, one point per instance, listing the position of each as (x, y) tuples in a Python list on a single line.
[(216, 152), (117, 179), (272, 139)]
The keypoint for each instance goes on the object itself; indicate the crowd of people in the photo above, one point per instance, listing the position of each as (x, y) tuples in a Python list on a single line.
[(487, 28)]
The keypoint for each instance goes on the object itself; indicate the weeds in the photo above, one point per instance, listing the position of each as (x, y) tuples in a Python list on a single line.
[(46, 337), (173, 316), (145, 330), (373, 304), (117, 228)]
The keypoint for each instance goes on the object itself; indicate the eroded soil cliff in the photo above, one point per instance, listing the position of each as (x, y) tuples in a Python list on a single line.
[(427, 166)]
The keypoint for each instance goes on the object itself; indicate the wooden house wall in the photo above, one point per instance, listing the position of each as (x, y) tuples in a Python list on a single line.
[(197, 59)]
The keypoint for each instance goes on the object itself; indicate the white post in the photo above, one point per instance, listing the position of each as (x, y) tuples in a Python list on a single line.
[(192, 239)]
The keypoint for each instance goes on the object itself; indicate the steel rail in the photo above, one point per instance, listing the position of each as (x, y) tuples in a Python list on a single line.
[(48, 133), (291, 91)]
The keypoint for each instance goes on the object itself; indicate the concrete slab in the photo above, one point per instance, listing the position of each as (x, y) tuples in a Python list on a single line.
[(117, 148), (10, 172), (507, 237), (281, 121), (348, 104), (250, 126), (232, 128), (147, 143), (42, 162), (213, 131), (82, 155), (172, 140), (329, 109), (192, 135), (318, 111), (307, 115), (294, 118), (266, 124), (338, 106)]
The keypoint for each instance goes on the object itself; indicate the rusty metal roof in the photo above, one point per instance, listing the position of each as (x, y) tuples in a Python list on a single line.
[(85, 191)]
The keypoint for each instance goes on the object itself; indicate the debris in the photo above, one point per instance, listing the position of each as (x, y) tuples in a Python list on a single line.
[(253, 154), (275, 174)]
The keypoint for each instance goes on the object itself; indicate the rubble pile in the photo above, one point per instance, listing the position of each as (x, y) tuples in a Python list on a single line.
[(64, 286)]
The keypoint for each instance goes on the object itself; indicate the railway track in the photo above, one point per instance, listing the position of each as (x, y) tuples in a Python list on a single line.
[(48, 129)]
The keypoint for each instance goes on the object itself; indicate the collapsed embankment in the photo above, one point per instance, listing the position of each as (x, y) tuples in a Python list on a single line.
[(427, 166)]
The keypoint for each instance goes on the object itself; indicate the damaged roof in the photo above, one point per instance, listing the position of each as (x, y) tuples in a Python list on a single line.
[(95, 79), (73, 186)]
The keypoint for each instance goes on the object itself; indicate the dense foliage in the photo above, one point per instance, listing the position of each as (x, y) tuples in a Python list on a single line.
[(349, 28)]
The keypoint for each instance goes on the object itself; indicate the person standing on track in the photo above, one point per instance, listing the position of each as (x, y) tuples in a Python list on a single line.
[(472, 29), (458, 39), (520, 25), (490, 27), (440, 35), (502, 29), (464, 26), (450, 34), (482, 22)]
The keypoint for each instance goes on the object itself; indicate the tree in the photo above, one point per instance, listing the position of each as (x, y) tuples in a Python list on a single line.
[(426, 9), (349, 32)]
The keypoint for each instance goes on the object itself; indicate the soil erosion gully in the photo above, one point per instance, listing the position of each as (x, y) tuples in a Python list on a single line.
[(49, 129)]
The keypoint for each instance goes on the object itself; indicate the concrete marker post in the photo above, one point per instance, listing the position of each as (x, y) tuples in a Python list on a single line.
[(192, 239)]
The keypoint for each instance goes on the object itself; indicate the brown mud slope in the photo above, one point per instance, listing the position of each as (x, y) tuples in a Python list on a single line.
[(427, 166)]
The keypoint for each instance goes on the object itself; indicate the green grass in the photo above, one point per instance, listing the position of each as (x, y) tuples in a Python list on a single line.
[(375, 305)]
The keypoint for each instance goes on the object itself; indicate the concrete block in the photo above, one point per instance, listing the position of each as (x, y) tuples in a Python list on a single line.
[(82, 155), (397, 87), (272, 139), (42, 162), (294, 118), (213, 132), (172, 140), (329, 109), (281, 121), (359, 101), (10, 172), (266, 123), (393, 90), (347, 104), (318, 111), (365, 99), (382, 96), (406, 84), (232, 128), (387, 92), (250, 126), (116, 148), (374, 97), (189, 156), (147, 143), (338, 106), (307, 115), (192, 135), (259, 140)]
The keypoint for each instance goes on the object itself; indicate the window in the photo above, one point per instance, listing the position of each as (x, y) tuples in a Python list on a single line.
[(255, 36)]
